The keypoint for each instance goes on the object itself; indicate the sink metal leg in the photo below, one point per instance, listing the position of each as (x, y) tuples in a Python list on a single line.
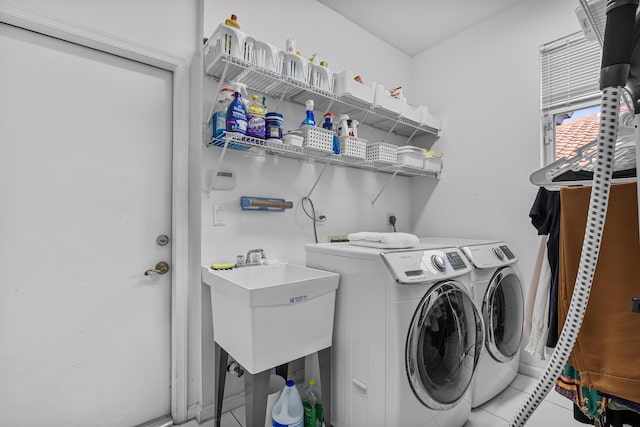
[(256, 391), (222, 357), (324, 362), (283, 370)]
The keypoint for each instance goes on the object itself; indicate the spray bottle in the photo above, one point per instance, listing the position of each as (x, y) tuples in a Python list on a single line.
[(343, 126), (237, 112), (309, 119), (328, 124), (354, 128), (219, 118)]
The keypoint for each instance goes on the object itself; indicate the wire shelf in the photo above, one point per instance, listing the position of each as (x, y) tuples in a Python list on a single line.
[(275, 85), (264, 147)]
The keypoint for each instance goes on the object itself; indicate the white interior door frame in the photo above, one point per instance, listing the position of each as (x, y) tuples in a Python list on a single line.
[(179, 67)]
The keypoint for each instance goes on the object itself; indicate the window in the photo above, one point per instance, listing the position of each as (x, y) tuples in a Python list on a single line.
[(570, 94)]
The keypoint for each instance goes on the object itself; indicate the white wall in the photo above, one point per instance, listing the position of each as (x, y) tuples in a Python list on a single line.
[(166, 25), (486, 81), (343, 195)]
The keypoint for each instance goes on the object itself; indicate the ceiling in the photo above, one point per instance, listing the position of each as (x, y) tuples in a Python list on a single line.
[(415, 25)]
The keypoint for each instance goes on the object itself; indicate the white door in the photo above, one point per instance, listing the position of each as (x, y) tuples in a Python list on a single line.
[(85, 190)]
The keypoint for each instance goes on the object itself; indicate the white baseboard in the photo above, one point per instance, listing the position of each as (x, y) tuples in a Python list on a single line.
[(530, 370)]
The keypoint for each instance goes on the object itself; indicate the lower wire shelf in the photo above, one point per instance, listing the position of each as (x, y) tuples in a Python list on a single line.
[(263, 147)]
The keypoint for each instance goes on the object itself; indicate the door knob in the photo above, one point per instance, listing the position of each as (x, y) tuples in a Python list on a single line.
[(161, 268)]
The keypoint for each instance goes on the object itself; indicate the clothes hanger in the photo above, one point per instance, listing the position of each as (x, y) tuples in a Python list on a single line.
[(624, 158)]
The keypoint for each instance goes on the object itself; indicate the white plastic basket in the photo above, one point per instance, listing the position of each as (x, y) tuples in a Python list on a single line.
[(385, 101), (432, 164), (353, 147), (412, 160), (318, 139), (382, 152), (432, 120), (345, 85), (224, 40), (411, 112)]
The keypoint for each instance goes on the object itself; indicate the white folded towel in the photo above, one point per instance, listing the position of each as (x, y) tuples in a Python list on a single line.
[(383, 240)]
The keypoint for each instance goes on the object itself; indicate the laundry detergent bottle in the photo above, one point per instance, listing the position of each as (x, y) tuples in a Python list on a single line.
[(256, 119), (288, 410), (237, 111)]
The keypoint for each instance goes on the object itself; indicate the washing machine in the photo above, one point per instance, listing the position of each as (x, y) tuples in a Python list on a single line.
[(497, 291), (407, 335)]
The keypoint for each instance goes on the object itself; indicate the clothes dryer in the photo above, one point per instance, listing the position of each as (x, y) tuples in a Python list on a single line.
[(407, 335), (497, 291)]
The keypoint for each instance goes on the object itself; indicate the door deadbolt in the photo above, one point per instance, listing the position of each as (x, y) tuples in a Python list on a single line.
[(162, 240), (161, 268)]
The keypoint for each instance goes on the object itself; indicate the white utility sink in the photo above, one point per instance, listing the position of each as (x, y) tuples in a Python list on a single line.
[(267, 315)]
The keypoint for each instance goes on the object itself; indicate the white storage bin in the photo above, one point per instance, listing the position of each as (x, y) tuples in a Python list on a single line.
[(412, 157), (410, 112), (224, 40), (260, 53), (432, 164), (384, 100), (320, 76), (293, 139), (353, 147), (381, 152), (292, 65), (317, 139), (431, 120), (344, 84)]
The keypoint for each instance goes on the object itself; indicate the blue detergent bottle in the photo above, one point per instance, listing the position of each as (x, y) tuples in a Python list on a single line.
[(310, 119), (237, 111)]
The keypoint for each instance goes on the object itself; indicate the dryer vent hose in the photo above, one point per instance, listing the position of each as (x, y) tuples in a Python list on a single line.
[(589, 257)]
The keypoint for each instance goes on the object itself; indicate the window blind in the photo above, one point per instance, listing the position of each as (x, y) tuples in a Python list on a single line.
[(569, 71)]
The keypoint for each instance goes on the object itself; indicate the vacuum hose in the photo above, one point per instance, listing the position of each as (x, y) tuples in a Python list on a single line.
[(590, 249)]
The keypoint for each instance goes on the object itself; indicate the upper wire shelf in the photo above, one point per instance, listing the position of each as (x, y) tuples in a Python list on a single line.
[(275, 85)]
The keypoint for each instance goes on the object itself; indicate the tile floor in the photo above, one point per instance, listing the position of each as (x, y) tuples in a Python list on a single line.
[(555, 410)]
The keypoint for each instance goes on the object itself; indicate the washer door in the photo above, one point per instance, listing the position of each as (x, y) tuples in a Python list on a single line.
[(443, 346), (503, 314)]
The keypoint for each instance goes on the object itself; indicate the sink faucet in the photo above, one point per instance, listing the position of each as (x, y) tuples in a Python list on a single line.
[(248, 259)]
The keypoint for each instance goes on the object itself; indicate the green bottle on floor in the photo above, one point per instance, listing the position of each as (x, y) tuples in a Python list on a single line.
[(312, 406)]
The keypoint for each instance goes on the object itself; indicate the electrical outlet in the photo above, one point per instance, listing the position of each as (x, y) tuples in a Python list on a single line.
[(389, 215)]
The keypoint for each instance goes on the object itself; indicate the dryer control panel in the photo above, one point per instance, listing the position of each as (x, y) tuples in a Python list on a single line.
[(490, 255), (419, 266)]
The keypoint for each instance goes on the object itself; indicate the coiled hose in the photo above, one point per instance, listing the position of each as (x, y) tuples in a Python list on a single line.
[(608, 134)]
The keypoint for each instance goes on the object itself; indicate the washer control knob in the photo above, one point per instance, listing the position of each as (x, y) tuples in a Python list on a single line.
[(438, 262), (498, 253)]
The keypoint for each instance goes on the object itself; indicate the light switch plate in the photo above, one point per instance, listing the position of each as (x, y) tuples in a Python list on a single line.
[(218, 215)]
